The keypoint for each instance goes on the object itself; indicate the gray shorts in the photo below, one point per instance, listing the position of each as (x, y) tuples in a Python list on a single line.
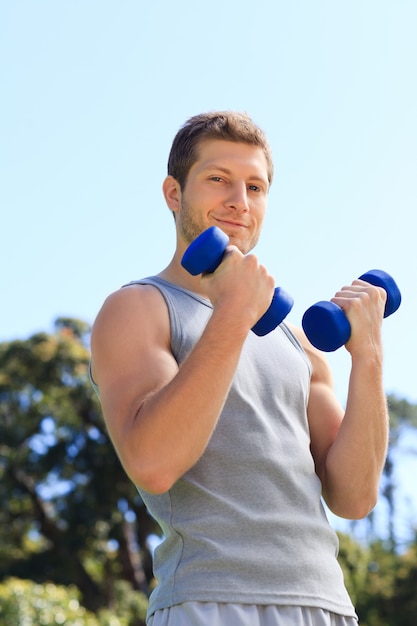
[(222, 614)]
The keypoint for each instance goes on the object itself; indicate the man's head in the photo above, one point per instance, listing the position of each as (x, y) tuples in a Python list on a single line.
[(225, 125)]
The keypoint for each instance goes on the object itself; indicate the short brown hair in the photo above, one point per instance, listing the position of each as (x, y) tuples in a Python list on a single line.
[(226, 125)]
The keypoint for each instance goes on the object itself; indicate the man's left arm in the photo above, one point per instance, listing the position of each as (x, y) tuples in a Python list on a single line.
[(349, 447)]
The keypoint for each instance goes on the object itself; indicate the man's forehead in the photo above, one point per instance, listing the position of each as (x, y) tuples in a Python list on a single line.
[(221, 151)]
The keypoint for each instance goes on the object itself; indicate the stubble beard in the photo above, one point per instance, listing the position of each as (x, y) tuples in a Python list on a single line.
[(190, 228)]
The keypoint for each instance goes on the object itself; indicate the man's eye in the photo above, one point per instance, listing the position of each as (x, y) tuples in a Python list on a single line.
[(254, 188), (217, 179)]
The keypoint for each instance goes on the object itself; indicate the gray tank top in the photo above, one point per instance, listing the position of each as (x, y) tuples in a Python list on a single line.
[(246, 523)]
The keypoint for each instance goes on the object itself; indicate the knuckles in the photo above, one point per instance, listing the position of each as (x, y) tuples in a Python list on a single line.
[(360, 295)]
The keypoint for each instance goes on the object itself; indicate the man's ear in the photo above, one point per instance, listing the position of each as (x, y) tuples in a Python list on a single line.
[(172, 193)]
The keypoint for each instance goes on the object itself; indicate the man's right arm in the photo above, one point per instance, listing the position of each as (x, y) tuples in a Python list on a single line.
[(160, 417)]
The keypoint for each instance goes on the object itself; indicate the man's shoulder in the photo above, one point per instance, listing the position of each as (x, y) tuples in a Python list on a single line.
[(134, 304)]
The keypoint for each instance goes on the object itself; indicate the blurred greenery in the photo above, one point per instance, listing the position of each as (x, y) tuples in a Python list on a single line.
[(68, 515), (23, 602), (75, 537)]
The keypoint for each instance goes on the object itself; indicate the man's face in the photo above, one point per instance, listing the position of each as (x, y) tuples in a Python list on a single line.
[(226, 187)]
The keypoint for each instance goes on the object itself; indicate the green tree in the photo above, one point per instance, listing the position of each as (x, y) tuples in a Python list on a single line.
[(68, 512), (403, 419), (25, 603), (71, 520), (387, 521), (354, 561), (382, 576), (388, 595), (381, 582)]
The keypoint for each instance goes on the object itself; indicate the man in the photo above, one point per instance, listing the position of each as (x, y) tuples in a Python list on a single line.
[(232, 438)]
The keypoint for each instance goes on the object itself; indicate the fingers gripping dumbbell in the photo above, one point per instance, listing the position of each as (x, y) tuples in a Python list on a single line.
[(327, 326), (206, 252)]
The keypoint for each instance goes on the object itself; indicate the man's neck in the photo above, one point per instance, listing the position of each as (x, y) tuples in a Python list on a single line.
[(177, 275)]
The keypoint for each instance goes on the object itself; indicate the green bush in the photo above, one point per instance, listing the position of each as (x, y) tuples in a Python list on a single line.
[(25, 603)]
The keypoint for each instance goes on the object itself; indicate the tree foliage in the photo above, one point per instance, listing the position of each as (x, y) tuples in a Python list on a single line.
[(74, 533), (68, 512), (385, 595), (25, 603)]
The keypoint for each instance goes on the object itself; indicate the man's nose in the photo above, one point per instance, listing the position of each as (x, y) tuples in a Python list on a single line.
[(238, 197)]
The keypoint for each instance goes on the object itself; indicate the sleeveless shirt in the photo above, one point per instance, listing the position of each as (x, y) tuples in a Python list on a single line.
[(246, 523)]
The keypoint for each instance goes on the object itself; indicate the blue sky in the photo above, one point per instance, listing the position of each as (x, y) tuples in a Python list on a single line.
[(94, 91)]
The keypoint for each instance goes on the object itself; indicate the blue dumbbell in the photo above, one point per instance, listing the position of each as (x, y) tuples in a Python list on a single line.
[(204, 255), (327, 326)]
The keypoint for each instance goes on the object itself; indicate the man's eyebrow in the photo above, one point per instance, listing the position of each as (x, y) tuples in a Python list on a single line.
[(226, 170), (220, 168)]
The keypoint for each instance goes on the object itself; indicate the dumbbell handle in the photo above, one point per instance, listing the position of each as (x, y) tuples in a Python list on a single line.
[(205, 254), (327, 326)]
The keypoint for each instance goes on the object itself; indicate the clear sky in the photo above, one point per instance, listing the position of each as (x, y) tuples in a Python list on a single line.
[(92, 93)]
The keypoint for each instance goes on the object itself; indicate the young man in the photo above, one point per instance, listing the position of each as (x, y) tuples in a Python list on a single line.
[(232, 438)]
